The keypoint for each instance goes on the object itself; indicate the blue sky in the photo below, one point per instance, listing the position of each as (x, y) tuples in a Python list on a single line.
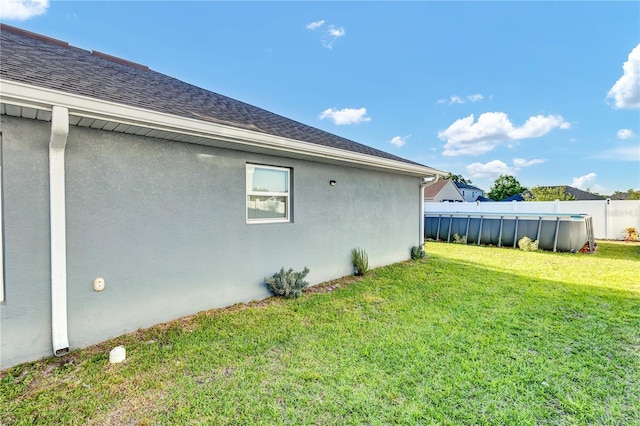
[(548, 92)]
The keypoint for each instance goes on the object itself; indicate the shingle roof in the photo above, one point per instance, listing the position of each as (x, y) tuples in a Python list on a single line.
[(467, 186), (514, 197), (434, 189), (579, 194), (620, 196), (40, 61)]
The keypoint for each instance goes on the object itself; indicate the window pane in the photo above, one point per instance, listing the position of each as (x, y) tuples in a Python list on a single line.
[(265, 207), (269, 180)]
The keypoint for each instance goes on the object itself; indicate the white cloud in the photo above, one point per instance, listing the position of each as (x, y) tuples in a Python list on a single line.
[(492, 169), (461, 100), (588, 182), (599, 189), (399, 141), (538, 126), (336, 32), (315, 25), (21, 10), (626, 91), (623, 153), (330, 33), (495, 168), (584, 182), (626, 134), (464, 137), (346, 115), (519, 163)]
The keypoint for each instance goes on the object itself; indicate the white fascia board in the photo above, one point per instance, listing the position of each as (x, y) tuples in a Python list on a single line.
[(25, 95)]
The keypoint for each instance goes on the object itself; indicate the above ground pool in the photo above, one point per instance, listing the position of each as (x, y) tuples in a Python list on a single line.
[(553, 231)]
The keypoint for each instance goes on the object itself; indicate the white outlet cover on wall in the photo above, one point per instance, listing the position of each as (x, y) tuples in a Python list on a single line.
[(98, 284)]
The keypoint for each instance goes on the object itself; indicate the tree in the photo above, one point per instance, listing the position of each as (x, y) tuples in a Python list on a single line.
[(546, 193), (633, 195), (505, 186), (458, 178)]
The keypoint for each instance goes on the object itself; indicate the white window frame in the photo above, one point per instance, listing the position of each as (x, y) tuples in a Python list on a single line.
[(249, 192)]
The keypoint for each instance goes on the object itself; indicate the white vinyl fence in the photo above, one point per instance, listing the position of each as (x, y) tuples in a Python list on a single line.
[(610, 217)]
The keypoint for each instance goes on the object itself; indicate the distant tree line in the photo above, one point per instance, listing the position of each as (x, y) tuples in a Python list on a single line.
[(506, 186), (458, 178), (546, 193), (633, 195)]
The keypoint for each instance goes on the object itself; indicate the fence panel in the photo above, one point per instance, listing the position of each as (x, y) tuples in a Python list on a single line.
[(610, 217)]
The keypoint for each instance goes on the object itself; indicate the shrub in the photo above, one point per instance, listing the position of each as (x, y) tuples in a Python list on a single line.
[(417, 253), (526, 244), (360, 261), (460, 240), (631, 234), (288, 284)]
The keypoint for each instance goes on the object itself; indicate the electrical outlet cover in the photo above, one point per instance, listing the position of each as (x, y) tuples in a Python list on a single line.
[(98, 284)]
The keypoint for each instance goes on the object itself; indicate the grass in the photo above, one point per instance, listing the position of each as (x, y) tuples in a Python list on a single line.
[(469, 335)]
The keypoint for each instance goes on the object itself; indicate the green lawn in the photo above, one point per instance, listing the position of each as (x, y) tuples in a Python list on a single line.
[(469, 335)]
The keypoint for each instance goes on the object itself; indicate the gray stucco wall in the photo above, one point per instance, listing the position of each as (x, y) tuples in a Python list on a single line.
[(164, 224)]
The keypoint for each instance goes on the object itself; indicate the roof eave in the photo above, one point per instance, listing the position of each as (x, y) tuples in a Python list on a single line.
[(30, 96)]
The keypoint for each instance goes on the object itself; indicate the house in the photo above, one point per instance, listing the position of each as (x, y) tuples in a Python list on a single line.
[(621, 195), (470, 193), (484, 199), (579, 194), (442, 190), (130, 198)]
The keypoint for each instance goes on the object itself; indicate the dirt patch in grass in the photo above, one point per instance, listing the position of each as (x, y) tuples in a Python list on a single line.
[(331, 286), (136, 410)]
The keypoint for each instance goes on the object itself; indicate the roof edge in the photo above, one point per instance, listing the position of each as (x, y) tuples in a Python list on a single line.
[(42, 98), (35, 36)]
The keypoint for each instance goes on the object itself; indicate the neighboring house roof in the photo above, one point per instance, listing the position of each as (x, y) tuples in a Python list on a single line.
[(578, 194), (35, 60), (467, 186), (515, 197), (582, 195), (484, 199), (620, 196), (434, 190)]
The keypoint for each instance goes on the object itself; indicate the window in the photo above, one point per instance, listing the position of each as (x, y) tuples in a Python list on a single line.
[(268, 194)]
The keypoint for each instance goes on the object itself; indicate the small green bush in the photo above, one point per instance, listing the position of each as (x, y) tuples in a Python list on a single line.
[(288, 284), (360, 261), (459, 240), (631, 234), (417, 252), (527, 244)]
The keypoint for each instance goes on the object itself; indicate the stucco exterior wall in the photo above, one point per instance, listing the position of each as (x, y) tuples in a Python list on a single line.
[(164, 224)]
